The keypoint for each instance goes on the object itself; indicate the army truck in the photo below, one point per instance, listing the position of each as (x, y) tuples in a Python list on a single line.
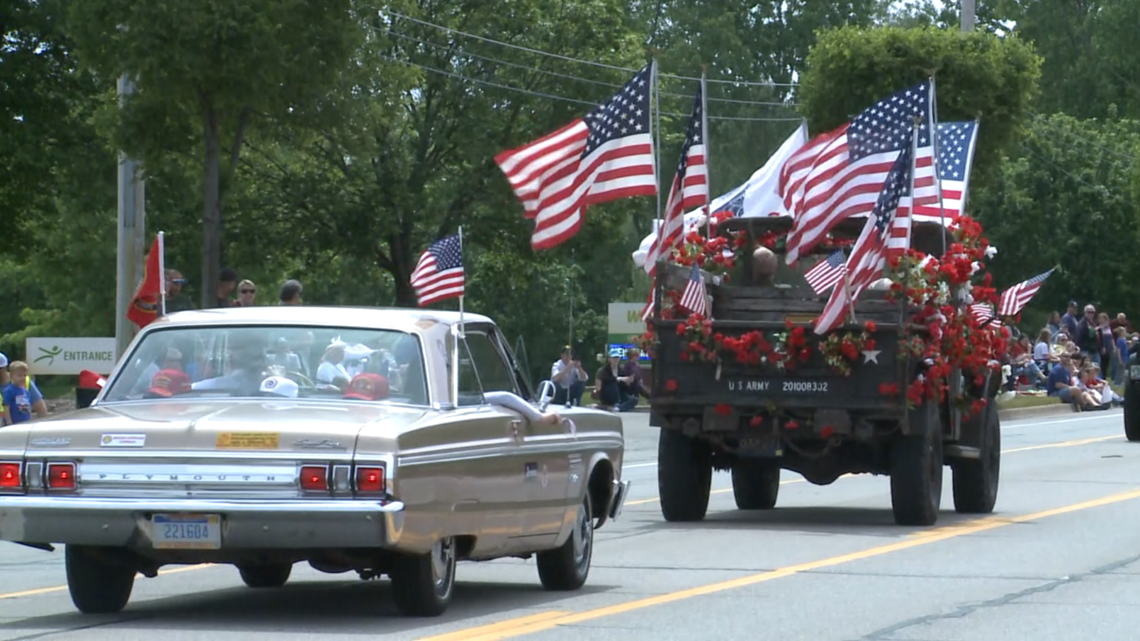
[(821, 412)]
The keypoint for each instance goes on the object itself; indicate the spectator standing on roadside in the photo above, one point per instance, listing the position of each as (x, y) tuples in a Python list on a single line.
[(227, 282), (39, 407), (1087, 336), (19, 403), (1069, 321), (290, 293), (569, 379), (246, 293), (176, 299)]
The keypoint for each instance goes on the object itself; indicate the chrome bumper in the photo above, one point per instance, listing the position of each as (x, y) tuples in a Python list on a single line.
[(288, 524), (621, 490)]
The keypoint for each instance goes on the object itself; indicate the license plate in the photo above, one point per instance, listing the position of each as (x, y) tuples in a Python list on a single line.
[(1134, 372), (760, 445), (777, 386), (186, 531)]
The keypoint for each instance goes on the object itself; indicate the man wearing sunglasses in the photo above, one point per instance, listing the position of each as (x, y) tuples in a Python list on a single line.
[(176, 301)]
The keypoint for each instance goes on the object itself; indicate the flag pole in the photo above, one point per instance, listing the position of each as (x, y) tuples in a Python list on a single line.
[(460, 333), (913, 171), (656, 126), (705, 133), (937, 173), (162, 272)]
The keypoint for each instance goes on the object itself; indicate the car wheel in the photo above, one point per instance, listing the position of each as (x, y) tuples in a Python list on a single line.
[(567, 566), (422, 583), (99, 580), (265, 575)]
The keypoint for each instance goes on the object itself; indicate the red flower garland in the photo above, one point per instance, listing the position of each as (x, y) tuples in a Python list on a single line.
[(840, 352)]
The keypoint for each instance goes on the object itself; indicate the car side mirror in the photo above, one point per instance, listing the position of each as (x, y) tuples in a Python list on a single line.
[(545, 394)]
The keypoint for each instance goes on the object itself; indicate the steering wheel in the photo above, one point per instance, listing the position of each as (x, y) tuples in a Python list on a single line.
[(302, 380)]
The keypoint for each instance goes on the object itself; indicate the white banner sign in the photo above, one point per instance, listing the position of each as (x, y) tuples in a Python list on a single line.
[(47, 356), (625, 318)]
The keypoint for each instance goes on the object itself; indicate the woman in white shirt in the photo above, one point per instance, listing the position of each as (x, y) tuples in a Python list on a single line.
[(331, 370)]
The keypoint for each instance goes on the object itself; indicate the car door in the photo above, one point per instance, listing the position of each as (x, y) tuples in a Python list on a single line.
[(491, 470), (545, 447)]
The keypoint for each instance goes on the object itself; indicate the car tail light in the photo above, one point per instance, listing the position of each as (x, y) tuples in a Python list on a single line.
[(61, 476), (315, 477), (370, 479), (10, 476)]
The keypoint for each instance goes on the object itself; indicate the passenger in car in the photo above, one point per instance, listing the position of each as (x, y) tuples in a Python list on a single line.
[(367, 387), (515, 402)]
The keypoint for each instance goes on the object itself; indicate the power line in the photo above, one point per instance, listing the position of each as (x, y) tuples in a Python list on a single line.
[(603, 65), (572, 77), (564, 98)]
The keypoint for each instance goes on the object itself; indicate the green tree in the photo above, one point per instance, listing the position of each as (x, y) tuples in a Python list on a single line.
[(206, 71), (1066, 197), (977, 75)]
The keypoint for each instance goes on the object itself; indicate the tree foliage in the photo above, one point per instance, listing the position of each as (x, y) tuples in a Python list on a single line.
[(1065, 198), (977, 75)]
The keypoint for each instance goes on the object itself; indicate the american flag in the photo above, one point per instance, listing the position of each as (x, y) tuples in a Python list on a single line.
[(984, 314), (606, 155), (956, 141), (439, 272), (1015, 298), (693, 299), (839, 174), (877, 241), (690, 185), (827, 272)]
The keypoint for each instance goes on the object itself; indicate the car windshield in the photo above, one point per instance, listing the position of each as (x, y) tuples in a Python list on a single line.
[(275, 361)]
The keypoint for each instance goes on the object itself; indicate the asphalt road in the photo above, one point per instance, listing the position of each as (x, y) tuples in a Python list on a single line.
[(1059, 559)]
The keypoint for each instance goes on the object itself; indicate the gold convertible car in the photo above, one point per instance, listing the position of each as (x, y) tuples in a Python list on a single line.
[(343, 437)]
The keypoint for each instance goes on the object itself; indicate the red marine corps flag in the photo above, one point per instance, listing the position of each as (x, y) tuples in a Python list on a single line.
[(149, 301), (603, 156)]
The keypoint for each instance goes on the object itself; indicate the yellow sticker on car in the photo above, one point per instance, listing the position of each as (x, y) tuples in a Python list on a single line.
[(248, 440)]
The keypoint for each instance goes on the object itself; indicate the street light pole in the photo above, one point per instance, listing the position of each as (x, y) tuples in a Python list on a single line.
[(131, 237), (968, 15)]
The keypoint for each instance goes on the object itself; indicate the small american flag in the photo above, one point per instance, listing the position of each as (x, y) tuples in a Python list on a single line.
[(956, 141), (870, 251), (605, 155), (984, 314), (439, 272), (838, 174), (827, 272), (690, 186), (693, 299), (1017, 297)]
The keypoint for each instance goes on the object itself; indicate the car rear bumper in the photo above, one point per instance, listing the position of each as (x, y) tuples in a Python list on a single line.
[(288, 524)]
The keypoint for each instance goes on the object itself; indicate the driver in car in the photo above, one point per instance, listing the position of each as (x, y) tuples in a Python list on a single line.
[(245, 378)]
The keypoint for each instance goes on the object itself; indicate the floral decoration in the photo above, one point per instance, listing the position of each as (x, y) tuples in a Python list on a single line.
[(698, 340), (942, 291), (841, 351)]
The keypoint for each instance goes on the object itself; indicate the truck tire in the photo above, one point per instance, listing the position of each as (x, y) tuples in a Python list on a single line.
[(916, 469), (976, 481), (755, 483), (1131, 411), (684, 476)]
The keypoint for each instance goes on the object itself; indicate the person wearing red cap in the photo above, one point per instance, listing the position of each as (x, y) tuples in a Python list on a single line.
[(367, 386), (167, 383)]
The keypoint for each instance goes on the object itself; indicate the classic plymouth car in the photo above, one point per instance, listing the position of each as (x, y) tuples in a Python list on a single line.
[(265, 436)]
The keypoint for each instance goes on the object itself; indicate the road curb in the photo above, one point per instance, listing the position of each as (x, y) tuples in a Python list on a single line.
[(1011, 414)]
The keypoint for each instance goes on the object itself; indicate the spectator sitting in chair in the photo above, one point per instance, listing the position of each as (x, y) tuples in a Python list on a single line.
[(569, 379)]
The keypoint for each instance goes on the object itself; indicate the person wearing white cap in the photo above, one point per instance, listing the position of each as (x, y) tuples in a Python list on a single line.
[(279, 386)]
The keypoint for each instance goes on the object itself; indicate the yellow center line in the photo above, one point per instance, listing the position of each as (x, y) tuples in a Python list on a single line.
[(61, 588), (471, 633), (1083, 441), (527, 625)]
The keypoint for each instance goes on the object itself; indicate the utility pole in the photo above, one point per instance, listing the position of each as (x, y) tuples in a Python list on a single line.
[(968, 15), (132, 234)]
